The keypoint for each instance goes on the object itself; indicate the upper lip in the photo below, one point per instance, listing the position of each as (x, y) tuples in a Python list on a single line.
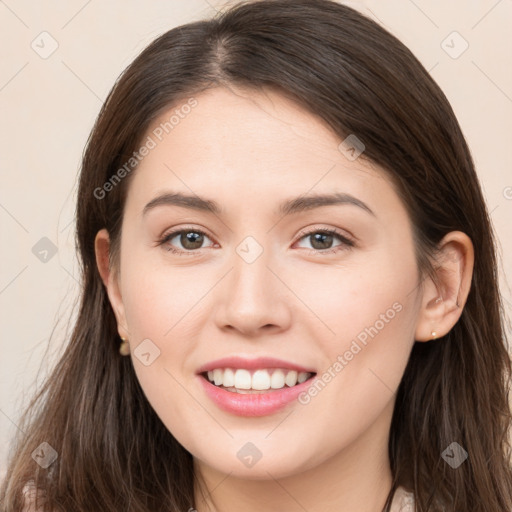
[(237, 362)]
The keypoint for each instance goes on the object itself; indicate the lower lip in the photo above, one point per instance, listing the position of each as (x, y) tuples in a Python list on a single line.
[(253, 404)]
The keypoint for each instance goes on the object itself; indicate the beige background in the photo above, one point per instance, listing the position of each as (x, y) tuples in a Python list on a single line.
[(48, 106)]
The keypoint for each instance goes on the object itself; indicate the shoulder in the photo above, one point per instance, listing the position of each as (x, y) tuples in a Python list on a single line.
[(403, 501), (29, 494)]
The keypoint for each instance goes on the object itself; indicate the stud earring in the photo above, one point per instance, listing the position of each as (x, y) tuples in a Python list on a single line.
[(434, 335), (124, 348)]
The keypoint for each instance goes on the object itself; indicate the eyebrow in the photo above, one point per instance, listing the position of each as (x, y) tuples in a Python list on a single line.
[(288, 207)]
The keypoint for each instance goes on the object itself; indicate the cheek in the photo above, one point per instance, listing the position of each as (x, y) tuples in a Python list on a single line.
[(159, 299), (349, 298), (368, 314), (156, 314), (365, 360)]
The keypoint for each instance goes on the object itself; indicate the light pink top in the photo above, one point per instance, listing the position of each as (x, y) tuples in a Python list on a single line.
[(403, 501)]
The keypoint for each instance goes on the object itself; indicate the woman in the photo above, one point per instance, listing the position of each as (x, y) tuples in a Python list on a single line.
[(217, 361)]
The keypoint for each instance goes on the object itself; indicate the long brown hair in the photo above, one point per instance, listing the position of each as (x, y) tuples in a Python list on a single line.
[(114, 453)]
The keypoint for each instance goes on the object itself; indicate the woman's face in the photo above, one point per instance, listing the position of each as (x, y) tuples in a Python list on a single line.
[(265, 280)]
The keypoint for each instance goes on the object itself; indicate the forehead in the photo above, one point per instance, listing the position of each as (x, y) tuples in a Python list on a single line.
[(248, 145)]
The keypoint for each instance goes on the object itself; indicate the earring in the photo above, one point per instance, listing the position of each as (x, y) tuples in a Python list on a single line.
[(434, 335), (124, 348)]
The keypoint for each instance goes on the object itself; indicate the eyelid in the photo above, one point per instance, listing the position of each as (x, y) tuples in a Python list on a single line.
[(318, 227), (177, 230)]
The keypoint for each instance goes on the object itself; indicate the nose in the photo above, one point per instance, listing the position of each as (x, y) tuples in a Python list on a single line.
[(253, 299)]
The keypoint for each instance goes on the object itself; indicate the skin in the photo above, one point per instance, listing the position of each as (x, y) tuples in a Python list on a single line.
[(249, 151)]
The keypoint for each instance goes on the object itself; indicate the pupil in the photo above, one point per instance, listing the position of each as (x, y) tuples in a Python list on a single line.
[(194, 239), (323, 238)]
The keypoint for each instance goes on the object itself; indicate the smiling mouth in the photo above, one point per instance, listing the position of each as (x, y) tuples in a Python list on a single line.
[(258, 381)]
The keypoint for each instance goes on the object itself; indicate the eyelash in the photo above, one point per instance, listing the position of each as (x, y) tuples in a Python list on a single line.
[(346, 242)]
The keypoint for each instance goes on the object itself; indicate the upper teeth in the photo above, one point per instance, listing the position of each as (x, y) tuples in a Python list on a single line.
[(260, 379)]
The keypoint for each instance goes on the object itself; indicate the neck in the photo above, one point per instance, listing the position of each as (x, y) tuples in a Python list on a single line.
[(356, 479)]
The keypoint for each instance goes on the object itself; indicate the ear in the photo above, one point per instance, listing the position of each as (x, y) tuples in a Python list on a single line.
[(110, 279), (445, 296)]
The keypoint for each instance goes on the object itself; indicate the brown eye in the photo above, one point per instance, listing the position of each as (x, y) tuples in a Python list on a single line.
[(321, 240), (189, 239)]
